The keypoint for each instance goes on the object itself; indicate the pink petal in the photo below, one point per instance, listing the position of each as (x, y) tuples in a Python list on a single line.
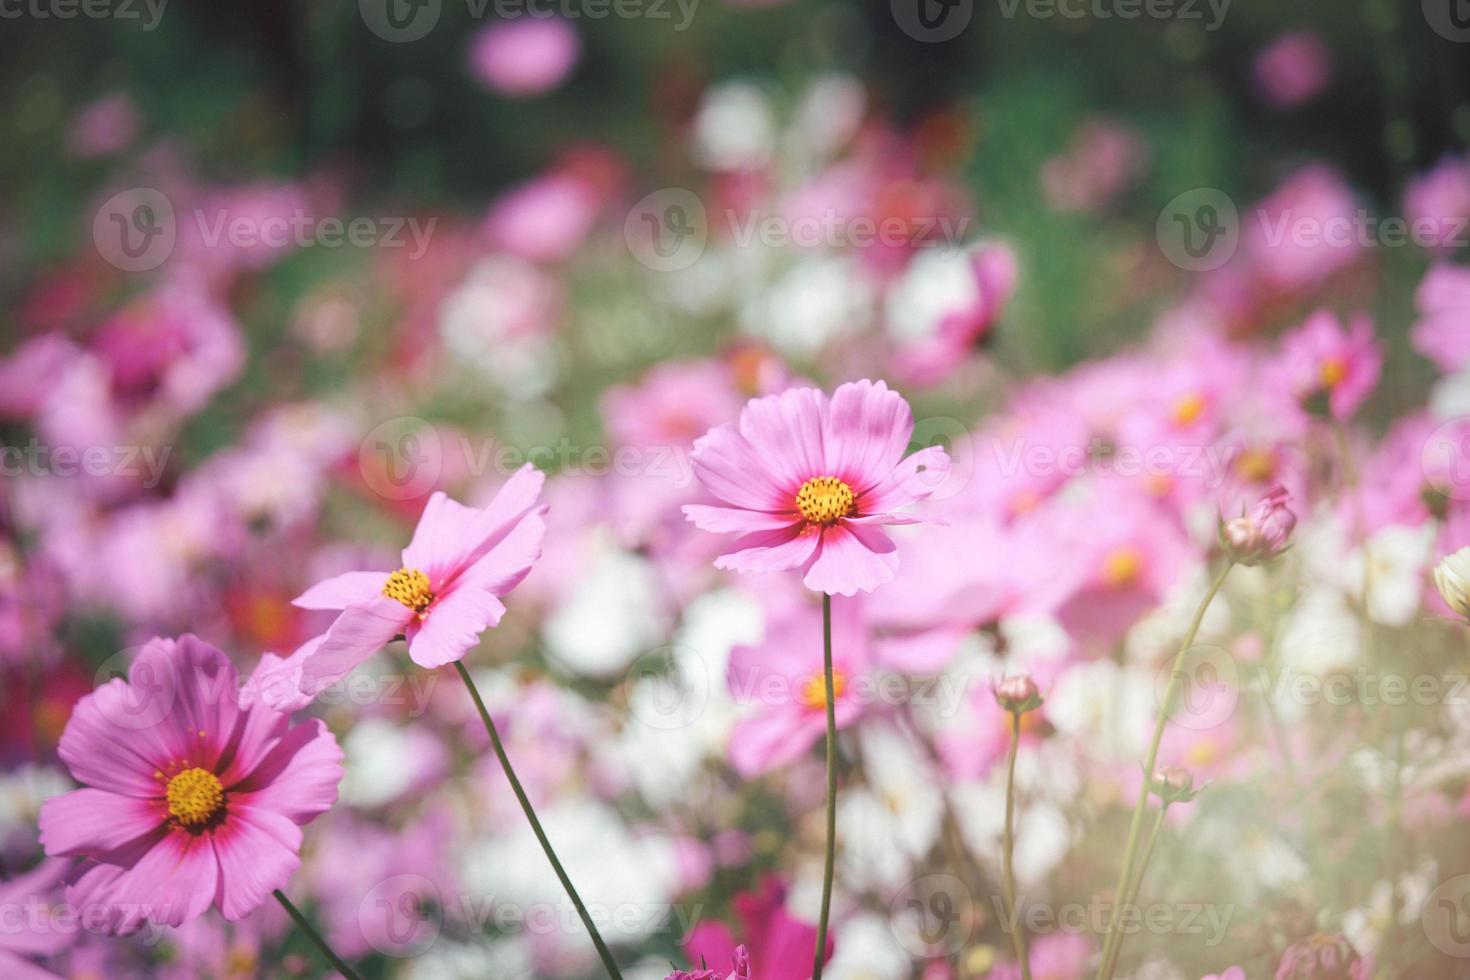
[(299, 778), (723, 520), (206, 697), (361, 631), (276, 683), (23, 935), (15, 968), (102, 749), (168, 881), (770, 551), (732, 469), (774, 737), (450, 536), (913, 479), (257, 853), (342, 591), (453, 626), (91, 822), (507, 563), (868, 428), (852, 559), (786, 431)]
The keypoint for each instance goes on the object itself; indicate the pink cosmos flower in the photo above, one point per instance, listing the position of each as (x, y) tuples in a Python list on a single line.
[(1323, 957), (946, 305), (783, 943), (1320, 361), (1437, 204), (1293, 69), (783, 676), (1055, 956), (525, 57), (191, 798), (741, 971), (459, 563), (1233, 973), (809, 480), (1261, 533), (24, 936), (1305, 232), (1442, 332)]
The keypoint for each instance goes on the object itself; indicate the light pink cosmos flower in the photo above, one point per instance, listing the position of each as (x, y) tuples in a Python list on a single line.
[(191, 798), (783, 678), (1304, 233), (782, 942), (1437, 204), (460, 562), (1442, 332), (525, 57), (809, 481), (1320, 360)]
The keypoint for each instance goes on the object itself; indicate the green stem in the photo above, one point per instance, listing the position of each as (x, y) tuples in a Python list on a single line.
[(1112, 942), (525, 801), (830, 863), (1018, 936), (316, 937), (1137, 883)]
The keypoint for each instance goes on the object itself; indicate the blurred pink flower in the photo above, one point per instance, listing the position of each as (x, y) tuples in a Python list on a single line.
[(526, 56), (1442, 332), (810, 481), (1323, 957), (741, 971), (673, 404), (190, 797), (545, 219), (1306, 231), (103, 127), (1233, 973), (1293, 69), (459, 563), (1055, 956), (782, 678), (1329, 370), (1103, 159), (31, 936), (1437, 204), (783, 944), (945, 306)]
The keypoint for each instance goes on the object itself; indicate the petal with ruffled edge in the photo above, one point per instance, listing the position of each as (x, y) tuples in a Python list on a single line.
[(505, 565), (92, 822), (257, 852), (104, 746), (771, 551), (450, 536), (167, 880), (786, 432), (912, 480), (731, 469), (453, 627), (341, 591), (728, 520), (868, 428), (299, 778), (358, 633), (852, 559)]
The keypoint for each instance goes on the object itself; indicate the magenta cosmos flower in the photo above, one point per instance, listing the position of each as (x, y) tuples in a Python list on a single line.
[(190, 797), (809, 481), (459, 563)]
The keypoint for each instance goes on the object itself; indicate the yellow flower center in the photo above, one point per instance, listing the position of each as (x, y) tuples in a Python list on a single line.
[(824, 499), (1205, 752), (1121, 568), (814, 691), (1332, 372), (1255, 465), (1188, 409), (194, 796), (410, 587)]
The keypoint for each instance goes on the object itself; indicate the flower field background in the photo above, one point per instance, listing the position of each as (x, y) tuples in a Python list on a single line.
[(709, 489)]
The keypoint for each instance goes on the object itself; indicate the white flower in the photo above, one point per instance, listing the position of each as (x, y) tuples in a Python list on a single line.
[(1452, 577)]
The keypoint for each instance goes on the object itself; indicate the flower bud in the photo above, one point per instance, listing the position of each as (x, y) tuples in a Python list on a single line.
[(1260, 533), (1452, 578), (1322, 957), (1018, 694), (1174, 785)]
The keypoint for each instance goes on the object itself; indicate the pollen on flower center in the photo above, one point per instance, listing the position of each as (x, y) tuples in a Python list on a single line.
[(1332, 372), (1121, 568), (410, 587), (1188, 409), (814, 690), (824, 499), (194, 796)]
